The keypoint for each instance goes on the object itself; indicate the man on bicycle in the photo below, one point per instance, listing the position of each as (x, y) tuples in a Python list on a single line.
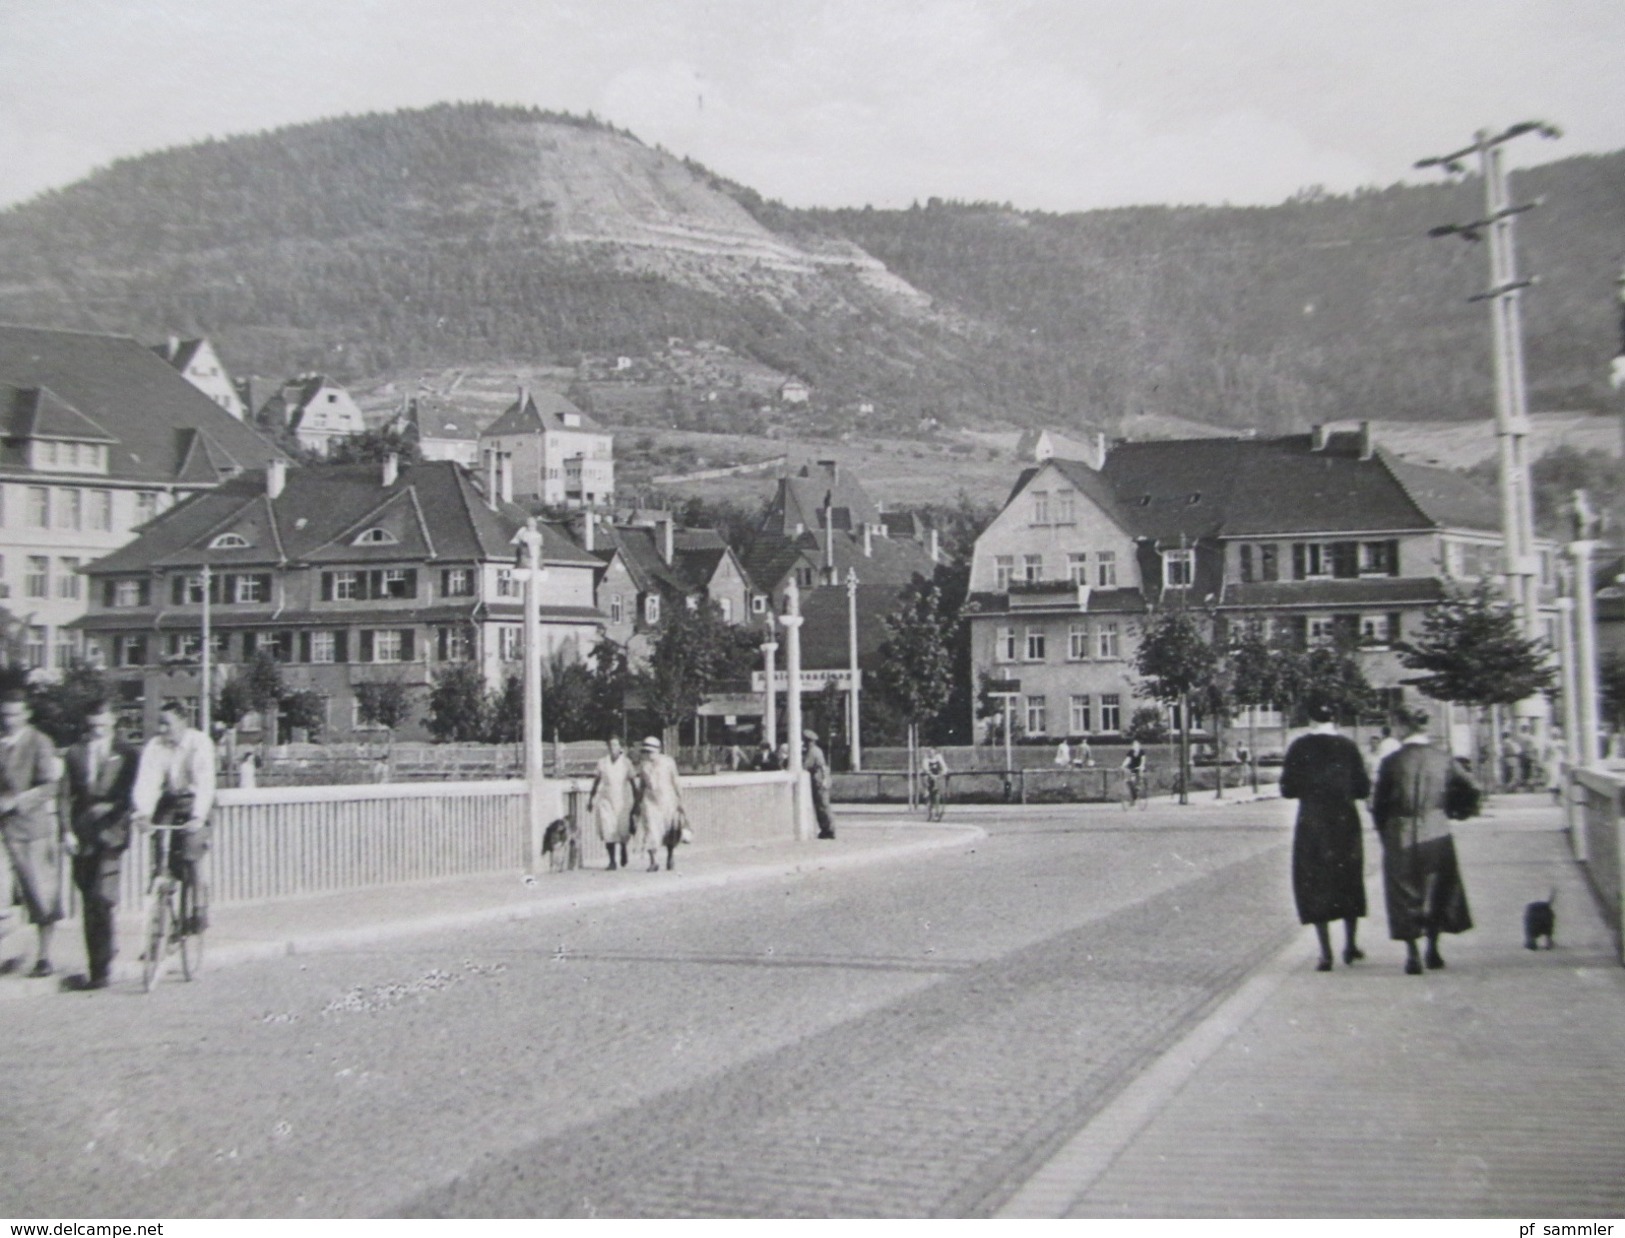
[(935, 772), (175, 785), (1134, 771)]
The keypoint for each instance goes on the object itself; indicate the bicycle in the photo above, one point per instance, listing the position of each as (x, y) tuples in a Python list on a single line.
[(170, 924), (1134, 790)]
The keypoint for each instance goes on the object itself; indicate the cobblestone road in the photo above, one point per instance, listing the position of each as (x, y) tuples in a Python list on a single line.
[(897, 1040)]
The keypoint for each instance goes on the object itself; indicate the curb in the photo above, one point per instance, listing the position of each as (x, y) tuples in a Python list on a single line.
[(231, 954)]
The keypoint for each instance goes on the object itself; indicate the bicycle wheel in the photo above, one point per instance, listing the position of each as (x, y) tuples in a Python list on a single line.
[(191, 938), (158, 930)]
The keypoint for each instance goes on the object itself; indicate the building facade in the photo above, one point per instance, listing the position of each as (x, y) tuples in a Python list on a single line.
[(1322, 537), (98, 436), (199, 364), (314, 410), (555, 453), (342, 573)]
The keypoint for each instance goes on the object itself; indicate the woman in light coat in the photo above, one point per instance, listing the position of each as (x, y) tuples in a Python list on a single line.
[(610, 800), (659, 804)]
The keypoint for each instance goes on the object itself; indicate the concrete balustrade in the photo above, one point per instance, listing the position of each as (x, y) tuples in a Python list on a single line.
[(1600, 800), (724, 810)]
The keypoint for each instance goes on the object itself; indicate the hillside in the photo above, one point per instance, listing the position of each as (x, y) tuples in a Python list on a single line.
[(385, 248)]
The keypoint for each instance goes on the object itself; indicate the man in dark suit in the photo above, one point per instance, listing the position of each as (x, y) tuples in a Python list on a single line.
[(96, 790), (1419, 790)]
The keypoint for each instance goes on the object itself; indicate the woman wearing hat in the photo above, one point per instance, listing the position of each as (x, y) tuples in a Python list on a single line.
[(610, 800), (659, 808), (1419, 790)]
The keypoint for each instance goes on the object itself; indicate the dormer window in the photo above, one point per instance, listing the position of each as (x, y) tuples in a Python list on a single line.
[(1178, 568), (229, 541), (376, 537)]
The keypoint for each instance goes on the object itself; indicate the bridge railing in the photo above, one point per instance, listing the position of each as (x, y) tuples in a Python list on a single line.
[(1599, 842)]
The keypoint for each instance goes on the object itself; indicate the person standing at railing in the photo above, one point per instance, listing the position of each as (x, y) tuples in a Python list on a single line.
[(610, 800), (29, 771), (817, 767), (175, 785), (96, 788)]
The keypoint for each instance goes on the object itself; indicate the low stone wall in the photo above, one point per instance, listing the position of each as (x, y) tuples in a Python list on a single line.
[(724, 810), (1599, 798)]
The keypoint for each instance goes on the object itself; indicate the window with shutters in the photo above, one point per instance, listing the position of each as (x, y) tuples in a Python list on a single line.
[(128, 592), (1379, 558), (510, 641), (386, 645), (1178, 568), (1245, 563), (394, 582), (1321, 630), (250, 589), (323, 646), (1379, 630), (456, 644), (130, 650), (507, 586), (457, 582)]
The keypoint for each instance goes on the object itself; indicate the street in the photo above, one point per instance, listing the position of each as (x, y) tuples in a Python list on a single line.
[(900, 1039)]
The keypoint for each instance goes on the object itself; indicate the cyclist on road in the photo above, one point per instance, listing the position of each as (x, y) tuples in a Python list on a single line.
[(935, 771), (175, 785), (1134, 770)]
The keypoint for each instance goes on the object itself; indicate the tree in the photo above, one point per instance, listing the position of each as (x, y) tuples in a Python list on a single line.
[(1473, 654), (697, 650), (259, 688), (611, 678), (506, 718), (567, 699), (459, 711), (384, 702), (1179, 664), (59, 708), (372, 446), (305, 710), (1148, 724), (916, 662)]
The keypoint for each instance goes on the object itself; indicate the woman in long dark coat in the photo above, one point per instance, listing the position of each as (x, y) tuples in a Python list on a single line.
[(1419, 789), (1325, 773)]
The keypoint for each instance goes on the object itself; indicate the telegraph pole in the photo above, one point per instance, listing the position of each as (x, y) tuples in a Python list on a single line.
[(1511, 408)]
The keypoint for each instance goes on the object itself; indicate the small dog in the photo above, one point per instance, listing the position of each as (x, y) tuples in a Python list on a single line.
[(1540, 920), (555, 844)]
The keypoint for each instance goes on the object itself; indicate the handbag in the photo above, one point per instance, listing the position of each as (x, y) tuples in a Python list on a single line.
[(1461, 799)]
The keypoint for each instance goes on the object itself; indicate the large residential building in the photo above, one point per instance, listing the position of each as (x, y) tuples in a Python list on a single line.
[(344, 573), (98, 435), (556, 453), (1322, 535)]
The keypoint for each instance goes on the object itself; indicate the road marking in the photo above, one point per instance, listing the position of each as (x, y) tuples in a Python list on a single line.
[(1069, 1174)]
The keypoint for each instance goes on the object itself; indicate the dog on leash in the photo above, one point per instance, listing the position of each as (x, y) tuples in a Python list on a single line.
[(556, 844), (1540, 920)]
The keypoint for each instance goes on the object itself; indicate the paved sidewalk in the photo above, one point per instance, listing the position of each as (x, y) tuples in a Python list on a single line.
[(1495, 1087), (246, 931)]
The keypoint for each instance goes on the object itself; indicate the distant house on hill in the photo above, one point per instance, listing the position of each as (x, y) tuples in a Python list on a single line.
[(98, 435), (794, 391), (1040, 445), (442, 431), (201, 366), (555, 453), (314, 410)]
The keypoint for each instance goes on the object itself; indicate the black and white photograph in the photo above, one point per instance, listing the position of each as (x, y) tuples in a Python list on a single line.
[(826, 610)]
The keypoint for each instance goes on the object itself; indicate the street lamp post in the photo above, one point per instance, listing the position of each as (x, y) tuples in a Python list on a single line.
[(205, 701), (790, 621), (1585, 625), (770, 695), (529, 540), (852, 660)]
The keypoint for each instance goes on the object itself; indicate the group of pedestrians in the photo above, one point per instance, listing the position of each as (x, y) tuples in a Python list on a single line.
[(1419, 790), (75, 813), (637, 805)]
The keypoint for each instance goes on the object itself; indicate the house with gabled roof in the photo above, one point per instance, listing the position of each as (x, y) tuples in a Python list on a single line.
[(313, 410), (1323, 536), (555, 453), (342, 573), (199, 364), (98, 435), (442, 431)]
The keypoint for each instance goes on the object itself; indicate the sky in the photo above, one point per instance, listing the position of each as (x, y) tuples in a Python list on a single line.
[(1047, 104)]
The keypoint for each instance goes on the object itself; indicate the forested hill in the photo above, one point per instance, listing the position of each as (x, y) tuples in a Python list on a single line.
[(460, 234)]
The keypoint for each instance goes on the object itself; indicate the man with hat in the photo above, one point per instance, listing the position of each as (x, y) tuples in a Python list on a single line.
[(1419, 790), (817, 766)]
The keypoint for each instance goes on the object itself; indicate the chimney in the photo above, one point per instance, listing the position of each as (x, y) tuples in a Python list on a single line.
[(667, 548), (868, 540), (276, 477), (1099, 461), (936, 552), (491, 456), (505, 476), (1317, 438), (589, 526), (829, 533), (174, 347), (392, 469), (1368, 447)]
